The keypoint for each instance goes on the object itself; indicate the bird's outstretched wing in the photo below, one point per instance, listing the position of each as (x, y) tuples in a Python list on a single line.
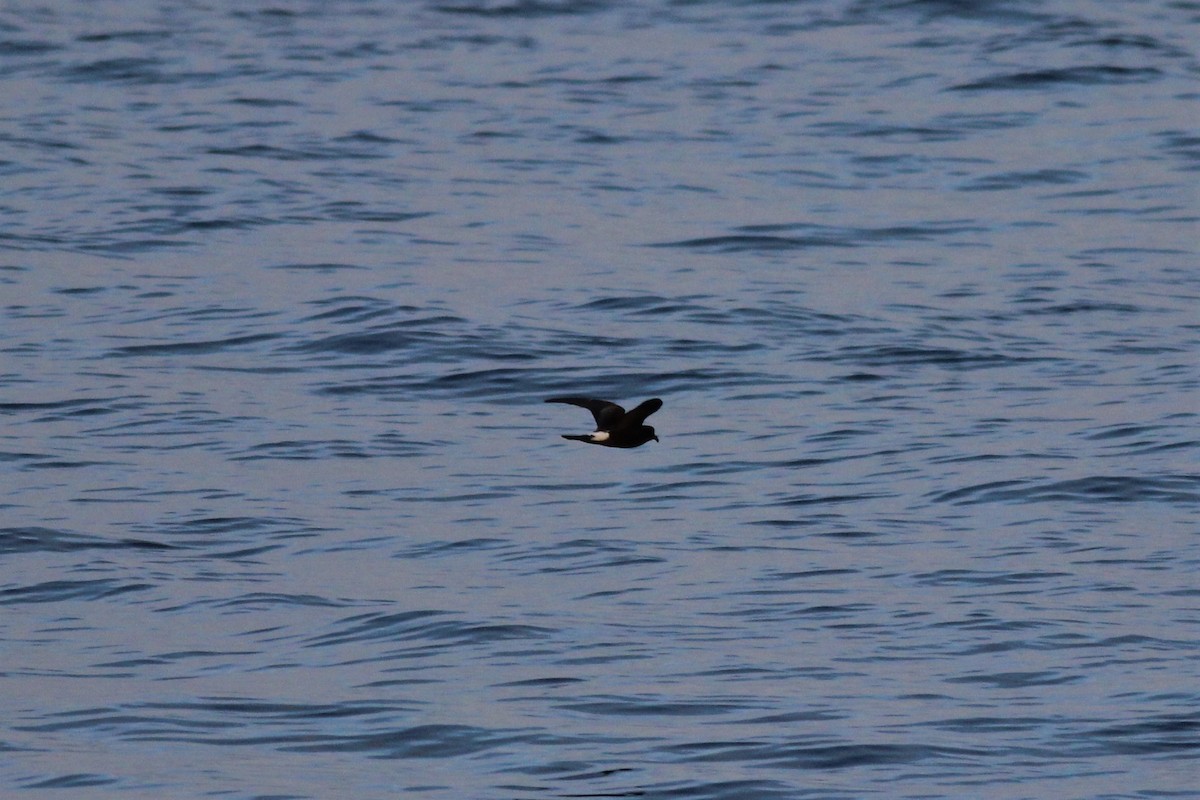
[(607, 414), (638, 415)]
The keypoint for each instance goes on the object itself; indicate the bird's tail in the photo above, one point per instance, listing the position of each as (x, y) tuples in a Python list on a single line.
[(587, 437)]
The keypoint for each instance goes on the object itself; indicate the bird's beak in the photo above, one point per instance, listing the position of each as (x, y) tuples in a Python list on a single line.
[(656, 438)]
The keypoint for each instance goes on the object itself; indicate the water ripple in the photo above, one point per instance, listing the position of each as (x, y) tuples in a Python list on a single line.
[(283, 289), (1102, 488), (1101, 74)]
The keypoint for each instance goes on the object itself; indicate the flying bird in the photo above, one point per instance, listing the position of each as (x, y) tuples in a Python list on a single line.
[(615, 427)]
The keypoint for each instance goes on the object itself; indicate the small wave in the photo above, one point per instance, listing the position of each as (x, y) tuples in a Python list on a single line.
[(1084, 307), (649, 304), (139, 35), (26, 47), (428, 626), (989, 121), (74, 780), (1130, 41), (322, 266), (518, 385), (59, 591), (1185, 146), (478, 383), (58, 410), (763, 238), (357, 310), (908, 355), (743, 243), (389, 445), (231, 537), (1018, 180), (814, 499), (194, 348), (121, 247), (1101, 488), (1122, 431), (421, 741), (581, 557), (637, 706), (988, 10), (901, 133), (526, 9), (1018, 680), (1170, 735), (262, 601), (1101, 75), (439, 330), (50, 540), (817, 754), (440, 548), (353, 211), (965, 577), (118, 70), (311, 151), (290, 727), (265, 102)]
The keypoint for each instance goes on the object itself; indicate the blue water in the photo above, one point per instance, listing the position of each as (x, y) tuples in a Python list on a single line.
[(283, 288)]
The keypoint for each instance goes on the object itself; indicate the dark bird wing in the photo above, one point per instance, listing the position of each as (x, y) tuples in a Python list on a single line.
[(607, 414), (638, 415)]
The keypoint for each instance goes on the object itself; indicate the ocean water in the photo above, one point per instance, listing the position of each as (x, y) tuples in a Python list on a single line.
[(283, 288)]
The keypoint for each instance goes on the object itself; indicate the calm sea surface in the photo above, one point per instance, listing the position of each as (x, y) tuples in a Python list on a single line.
[(283, 288)]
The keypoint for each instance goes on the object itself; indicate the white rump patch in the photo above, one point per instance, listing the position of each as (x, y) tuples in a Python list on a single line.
[(600, 436)]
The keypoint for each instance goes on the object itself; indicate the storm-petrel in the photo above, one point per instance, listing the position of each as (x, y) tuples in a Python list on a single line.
[(614, 426)]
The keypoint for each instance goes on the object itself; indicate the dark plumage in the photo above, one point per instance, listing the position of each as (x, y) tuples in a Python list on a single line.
[(615, 427)]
